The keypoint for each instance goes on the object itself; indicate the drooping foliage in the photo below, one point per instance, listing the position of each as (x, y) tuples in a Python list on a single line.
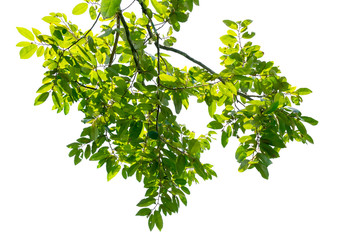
[(131, 95)]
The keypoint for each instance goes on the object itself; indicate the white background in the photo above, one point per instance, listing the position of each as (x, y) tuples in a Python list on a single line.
[(313, 190)]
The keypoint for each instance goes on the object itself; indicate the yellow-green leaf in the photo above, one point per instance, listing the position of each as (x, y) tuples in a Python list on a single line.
[(41, 98), (80, 9), (40, 51), (28, 51), (26, 33)]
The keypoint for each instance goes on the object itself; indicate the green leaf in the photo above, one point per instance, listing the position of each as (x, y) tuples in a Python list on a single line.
[(41, 98), (151, 222), (109, 7), (246, 23), (144, 212), (262, 170), (113, 172), (135, 129), (272, 139), (224, 138), (87, 151), (215, 125), (45, 88), (158, 220), (180, 164), (231, 24), (146, 202), (303, 91), (153, 135), (269, 150), (177, 102), (309, 120), (99, 156), (92, 13), (160, 8), (80, 9), (246, 35), (200, 169), (28, 51), (301, 127), (272, 107), (180, 181), (212, 108), (26, 33), (240, 154)]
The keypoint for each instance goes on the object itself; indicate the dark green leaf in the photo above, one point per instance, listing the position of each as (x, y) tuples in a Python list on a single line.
[(273, 139), (262, 170), (180, 181), (269, 150), (153, 135), (144, 212), (158, 220), (146, 202), (135, 129)]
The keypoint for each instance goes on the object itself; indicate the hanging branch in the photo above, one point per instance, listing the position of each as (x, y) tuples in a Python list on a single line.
[(116, 39), (133, 50)]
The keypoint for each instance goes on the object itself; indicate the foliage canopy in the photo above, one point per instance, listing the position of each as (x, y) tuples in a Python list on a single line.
[(131, 95)]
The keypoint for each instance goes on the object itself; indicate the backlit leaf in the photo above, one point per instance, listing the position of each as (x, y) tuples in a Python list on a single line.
[(215, 125), (80, 9), (231, 24), (28, 51), (26, 33), (109, 8), (41, 98)]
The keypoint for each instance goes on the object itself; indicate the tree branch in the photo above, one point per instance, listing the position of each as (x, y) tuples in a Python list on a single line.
[(127, 33), (188, 57), (116, 39)]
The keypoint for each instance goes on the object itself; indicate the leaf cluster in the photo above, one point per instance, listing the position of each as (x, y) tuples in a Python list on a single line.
[(130, 95)]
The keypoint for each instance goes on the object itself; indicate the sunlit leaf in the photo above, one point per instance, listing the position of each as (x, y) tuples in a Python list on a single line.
[(80, 8), (26, 33), (109, 8)]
